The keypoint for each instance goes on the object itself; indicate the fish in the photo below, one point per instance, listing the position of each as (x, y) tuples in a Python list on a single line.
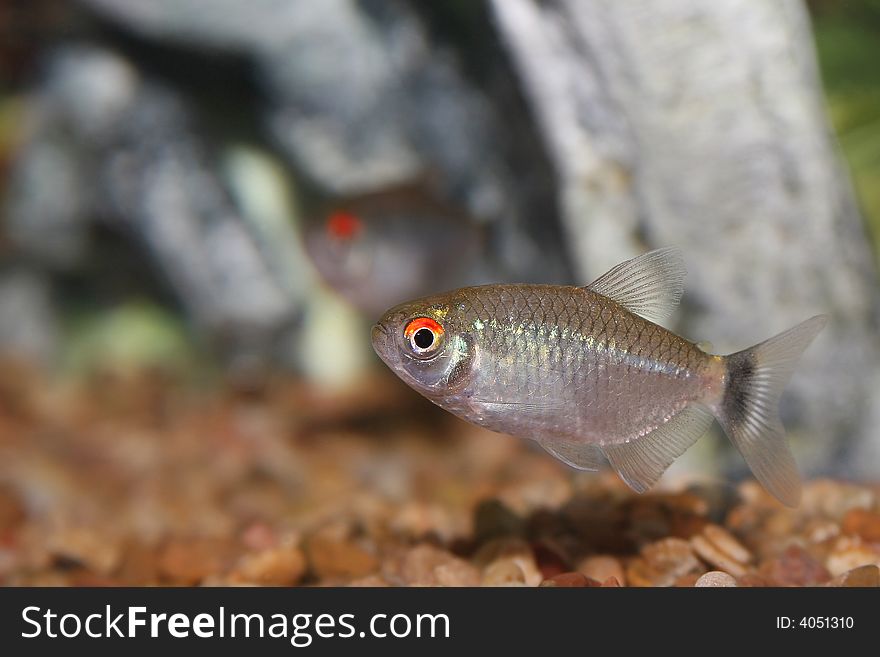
[(587, 371), (379, 247)]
